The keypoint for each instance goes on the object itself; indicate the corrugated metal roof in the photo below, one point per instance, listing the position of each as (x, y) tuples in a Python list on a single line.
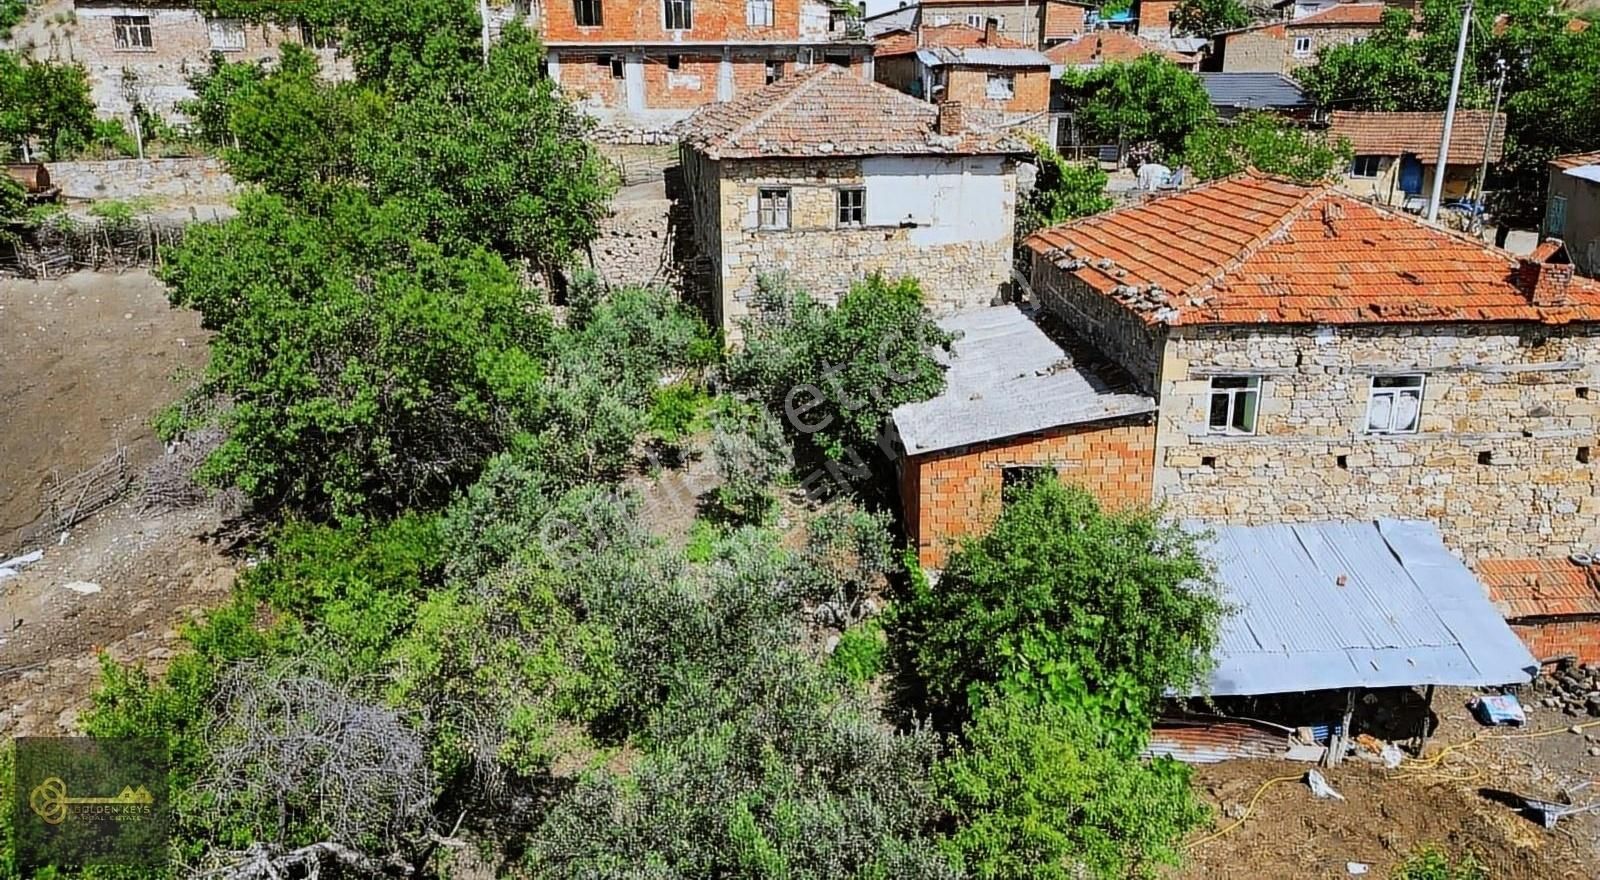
[(1006, 377), (1585, 172), (982, 56), (1253, 90), (1355, 604), (1212, 742)]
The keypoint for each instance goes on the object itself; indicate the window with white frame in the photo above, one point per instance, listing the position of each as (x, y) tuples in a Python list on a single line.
[(587, 13), (132, 32), (1234, 403), (1394, 405), (772, 208), (1555, 220), (317, 37), (1302, 47), (678, 14), (852, 207), (758, 13), (1366, 166), (1002, 86), (227, 34), (975, 21)]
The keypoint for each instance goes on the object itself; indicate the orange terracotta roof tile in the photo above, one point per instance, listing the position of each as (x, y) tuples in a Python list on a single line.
[(945, 36), (1107, 46), (1576, 160), (1541, 587), (1395, 134), (1257, 249), (831, 111), (1368, 14)]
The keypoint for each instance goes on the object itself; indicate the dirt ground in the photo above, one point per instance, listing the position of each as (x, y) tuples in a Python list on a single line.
[(1388, 814), (88, 360)]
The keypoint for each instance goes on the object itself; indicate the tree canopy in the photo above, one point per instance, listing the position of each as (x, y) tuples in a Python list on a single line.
[(1148, 100), (43, 106), (1202, 18), (1265, 142)]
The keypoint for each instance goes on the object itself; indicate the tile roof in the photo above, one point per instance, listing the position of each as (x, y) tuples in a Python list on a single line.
[(1576, 160), (1541, 587), (1257, 249), (946, 36), (831, 111), (1101, 47), (1006, 375), (1367, 14), (1394, 134)]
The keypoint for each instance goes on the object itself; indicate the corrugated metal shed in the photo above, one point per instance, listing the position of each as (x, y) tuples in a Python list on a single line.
[(1355, 604), (1006, 377), (1253, 91), (1585, 172)]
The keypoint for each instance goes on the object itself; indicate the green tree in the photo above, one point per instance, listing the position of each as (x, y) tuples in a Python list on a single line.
[(218, 88), (1061, 191), (1069, 604), (1202, 18), (1036, 797), (835, 374), (363, 368), (43, 106), (1148, 100), (1265, 142)]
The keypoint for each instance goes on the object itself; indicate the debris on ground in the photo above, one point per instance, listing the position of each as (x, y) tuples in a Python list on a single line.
[(1572, 688), (83, 588), (1356, 869), (1494, 710), (1320, 786)]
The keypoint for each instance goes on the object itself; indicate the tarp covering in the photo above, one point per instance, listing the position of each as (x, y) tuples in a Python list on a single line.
[(1354, 604)]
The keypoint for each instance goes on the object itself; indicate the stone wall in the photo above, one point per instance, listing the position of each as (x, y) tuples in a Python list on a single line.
[(1322, 39), (1255, 51), (198, 180), (961, 254), (1101, 322), (947, 495), (635, 244), (1503, 458)]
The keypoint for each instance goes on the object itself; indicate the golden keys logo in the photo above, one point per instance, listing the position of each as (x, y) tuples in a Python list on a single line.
[(50, 799)]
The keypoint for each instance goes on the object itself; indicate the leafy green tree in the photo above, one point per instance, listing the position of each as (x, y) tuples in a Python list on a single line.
[(1148, 100), (1061, 191), (218, 88), (363, 368), (1265, 142), (1069, 604), (44, 106), (835, 374), (1202, 18), (1034, 796), (13, 206)]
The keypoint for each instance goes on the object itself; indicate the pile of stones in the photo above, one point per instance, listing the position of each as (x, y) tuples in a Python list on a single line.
[(1571, 688)]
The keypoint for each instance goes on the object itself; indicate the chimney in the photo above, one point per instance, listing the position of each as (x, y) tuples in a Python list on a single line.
[(1545, 276), (952, 120), (991, 31)]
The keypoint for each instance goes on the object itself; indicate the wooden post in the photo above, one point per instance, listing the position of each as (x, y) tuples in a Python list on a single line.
[(1427, 720), (1336, 744)]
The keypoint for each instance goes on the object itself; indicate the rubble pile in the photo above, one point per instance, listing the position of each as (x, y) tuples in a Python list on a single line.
[(1572, 688)]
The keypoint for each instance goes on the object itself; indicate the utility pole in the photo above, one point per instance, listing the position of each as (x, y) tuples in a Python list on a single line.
[(1494, 117), (1442, 161)]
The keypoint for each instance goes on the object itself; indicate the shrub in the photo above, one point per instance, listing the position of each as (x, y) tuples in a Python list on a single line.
[(752, 455), (861, 652), (1430, 863)]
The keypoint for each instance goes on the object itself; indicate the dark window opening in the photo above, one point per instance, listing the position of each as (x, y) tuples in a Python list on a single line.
[(774, 71), (1486, 458), (587, 13), (837, 59), (674, 62), (852, 207), (616, 68), (1344, 462), (1020, 477), (132, 32), (1209, 461), (1583, 455), (1583, 392), (678, 15)]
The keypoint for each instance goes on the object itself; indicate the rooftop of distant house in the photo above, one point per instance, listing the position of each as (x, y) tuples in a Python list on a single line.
[(1260, 249), (1366, 15), (1107, 46), (1541, 587), (831, 111), (959, 44), (1418, 133), (1576, 160), (1253, 91)]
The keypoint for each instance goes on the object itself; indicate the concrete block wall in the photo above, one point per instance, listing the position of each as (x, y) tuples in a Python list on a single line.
[(949, 495)]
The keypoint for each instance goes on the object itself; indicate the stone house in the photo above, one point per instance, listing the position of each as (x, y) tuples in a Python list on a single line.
[(144, 52), (1572, 213), (998, 81), (827, 178), (1285, 46), (1316, 357), (641, 67), (1397, 154)]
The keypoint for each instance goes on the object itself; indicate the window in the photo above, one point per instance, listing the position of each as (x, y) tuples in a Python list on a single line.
[(975, 21), (131, 32), (612, 61), (1302, 47), (1555, 220), (774, 71), (772, 208), (838, 20), (313, 37), (1394, 405), (837, 59), (1020, 477), (1366, 166), (852, 207), (1234, 401), (587, 13), (679, 17), (1002, 86), (227, 34), (674, 62), (758, 13), (805, 56)]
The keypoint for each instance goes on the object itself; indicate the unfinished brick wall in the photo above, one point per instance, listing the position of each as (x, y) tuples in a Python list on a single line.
[(970, 86), (1062, 21), (692, 83), (644, 20), (1155, 17), (1577, 637), (589, 77), (948, 495)]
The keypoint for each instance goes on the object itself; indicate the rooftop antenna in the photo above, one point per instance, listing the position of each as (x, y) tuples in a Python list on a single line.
[(1443, 159)]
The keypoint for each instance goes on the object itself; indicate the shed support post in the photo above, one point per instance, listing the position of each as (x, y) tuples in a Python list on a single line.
[(1427, 720), (1336, 743)]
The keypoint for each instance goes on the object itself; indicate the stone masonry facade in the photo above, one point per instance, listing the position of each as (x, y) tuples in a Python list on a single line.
[(955, 493), (820, 256)]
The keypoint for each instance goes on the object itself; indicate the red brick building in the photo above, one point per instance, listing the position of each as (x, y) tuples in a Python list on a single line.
[(1553, 605), (646, 64), (998, 80)]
